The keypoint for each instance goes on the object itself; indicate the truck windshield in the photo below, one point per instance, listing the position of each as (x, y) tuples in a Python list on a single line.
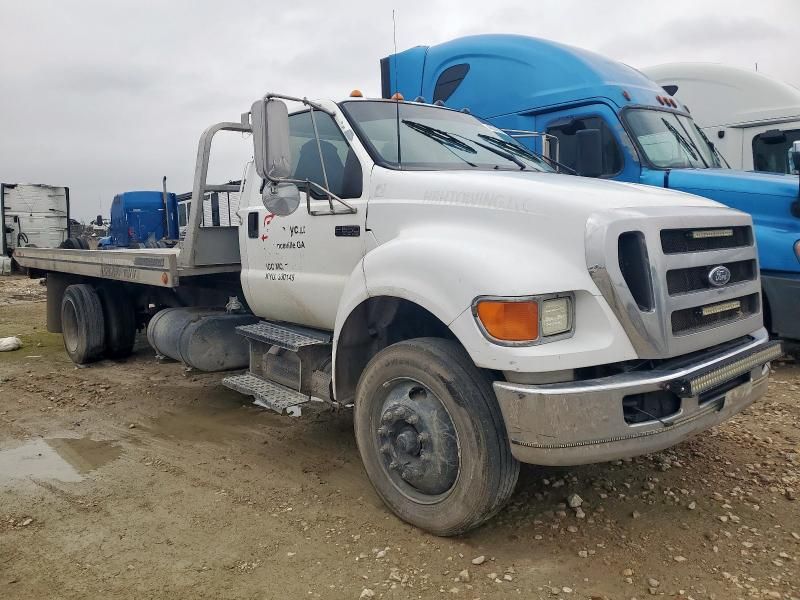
[(433, 138), (669, 140)]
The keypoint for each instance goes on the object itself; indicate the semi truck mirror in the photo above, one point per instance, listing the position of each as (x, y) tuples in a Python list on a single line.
[(796, 156), (271, 153), (589, 153), (281, 199)]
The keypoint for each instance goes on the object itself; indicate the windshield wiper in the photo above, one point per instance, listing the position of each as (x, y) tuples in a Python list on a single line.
[(690, 148), (503, 153), (524, 152), (721, 159), (439, 135)]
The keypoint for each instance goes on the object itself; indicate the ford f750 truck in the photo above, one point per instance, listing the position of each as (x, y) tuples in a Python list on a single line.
[(610, 122), (474, 307)]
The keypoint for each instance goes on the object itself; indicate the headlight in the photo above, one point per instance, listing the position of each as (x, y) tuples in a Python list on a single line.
[(556, 316), (524, 321)]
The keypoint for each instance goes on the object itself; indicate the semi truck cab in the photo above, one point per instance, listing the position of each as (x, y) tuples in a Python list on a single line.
[(611, 122)]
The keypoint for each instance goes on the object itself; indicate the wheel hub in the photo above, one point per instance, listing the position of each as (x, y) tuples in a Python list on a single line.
[(417, 440)]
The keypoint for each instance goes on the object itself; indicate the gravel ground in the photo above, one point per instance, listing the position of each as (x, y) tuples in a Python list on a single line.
[(135, 479)]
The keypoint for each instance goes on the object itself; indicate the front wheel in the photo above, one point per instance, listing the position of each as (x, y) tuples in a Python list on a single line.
[(432, 438)]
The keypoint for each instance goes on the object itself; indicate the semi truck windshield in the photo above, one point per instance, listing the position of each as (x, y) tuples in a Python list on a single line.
[(669, 140), (420, 137)]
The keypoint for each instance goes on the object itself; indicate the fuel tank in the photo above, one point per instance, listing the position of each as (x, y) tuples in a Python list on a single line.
[(202, 338)]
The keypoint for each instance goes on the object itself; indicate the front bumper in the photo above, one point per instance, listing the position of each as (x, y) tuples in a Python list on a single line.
[(583, 422)]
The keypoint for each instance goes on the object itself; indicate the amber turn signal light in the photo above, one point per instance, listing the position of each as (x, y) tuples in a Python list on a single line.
[(510, 321)]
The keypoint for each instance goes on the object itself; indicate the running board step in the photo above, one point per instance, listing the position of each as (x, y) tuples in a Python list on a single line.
[(288, 337), (268, 394)]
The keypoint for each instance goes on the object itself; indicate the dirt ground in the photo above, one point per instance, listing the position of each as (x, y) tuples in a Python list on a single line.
[(135, 479)]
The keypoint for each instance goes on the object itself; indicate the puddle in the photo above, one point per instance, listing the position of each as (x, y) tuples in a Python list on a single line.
[(64, 459)]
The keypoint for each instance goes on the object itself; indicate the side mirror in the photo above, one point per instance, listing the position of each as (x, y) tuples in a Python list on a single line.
[(589, 153), (271, 153), (796, 156), (99, 221)]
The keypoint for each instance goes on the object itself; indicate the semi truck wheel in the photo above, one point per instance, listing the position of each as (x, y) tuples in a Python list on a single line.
[(120, 321), (432, 438), (82, 323), (74, 243)]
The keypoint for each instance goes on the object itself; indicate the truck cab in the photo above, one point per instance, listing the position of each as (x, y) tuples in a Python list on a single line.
[(611, 122), (475, 308)]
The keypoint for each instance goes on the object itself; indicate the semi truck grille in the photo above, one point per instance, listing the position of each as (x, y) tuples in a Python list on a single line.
[(698, 318), (675, 241), (692, 279), (666, 281)]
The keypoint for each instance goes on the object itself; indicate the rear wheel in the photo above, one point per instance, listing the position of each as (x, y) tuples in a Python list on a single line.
[(432, 438), (120, 321), (82, 323)]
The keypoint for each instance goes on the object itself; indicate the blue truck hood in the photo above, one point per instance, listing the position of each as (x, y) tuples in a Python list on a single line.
[(767, 197)]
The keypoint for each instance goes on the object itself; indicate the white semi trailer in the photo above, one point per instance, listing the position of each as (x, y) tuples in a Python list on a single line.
[(752, 119), (476, 309), (33, 214)]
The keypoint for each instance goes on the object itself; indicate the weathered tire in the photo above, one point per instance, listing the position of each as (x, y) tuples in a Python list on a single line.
[(429, 388), (82, 323), (120, 321), (73, 243)]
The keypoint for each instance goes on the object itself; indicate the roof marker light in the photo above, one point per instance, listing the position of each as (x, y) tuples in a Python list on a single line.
[(660, 100), (397, 97), (626, 95), (356, 94)]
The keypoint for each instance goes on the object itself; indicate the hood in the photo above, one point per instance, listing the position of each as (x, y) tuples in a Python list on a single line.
[(526, 191), (724, 181)]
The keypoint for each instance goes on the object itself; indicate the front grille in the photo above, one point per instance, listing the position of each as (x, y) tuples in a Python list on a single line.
[(658, 284), (683, 281), (698, 318), (676, 241)]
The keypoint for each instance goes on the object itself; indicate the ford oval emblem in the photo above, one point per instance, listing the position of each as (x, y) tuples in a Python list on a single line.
[(719, 276)]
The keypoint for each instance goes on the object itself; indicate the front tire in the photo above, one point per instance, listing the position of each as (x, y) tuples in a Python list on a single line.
[(432, 438)]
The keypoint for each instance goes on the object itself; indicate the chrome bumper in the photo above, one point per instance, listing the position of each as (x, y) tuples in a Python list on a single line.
[(582, 422)]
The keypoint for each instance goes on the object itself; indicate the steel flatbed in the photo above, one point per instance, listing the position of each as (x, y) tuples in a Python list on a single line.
[(150, 266)]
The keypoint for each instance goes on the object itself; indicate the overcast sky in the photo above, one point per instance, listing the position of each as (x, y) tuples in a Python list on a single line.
[(106, 96)]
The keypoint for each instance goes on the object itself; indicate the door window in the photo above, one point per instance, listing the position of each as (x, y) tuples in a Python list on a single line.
[(342, 167), (771, 151), (568, 149)]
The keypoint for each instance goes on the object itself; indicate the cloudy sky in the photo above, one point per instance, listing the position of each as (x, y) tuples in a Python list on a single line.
[(106, 96)]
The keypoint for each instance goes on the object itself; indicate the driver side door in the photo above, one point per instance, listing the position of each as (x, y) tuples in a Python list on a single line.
[(298, 265)]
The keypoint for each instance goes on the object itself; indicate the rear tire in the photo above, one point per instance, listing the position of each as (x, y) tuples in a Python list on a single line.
[(432, 437), (82, 323), (120, 321)]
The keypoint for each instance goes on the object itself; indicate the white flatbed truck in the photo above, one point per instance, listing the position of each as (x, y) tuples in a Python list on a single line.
[(475, 308)]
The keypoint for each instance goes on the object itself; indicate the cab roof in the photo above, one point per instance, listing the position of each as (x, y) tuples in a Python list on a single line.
[(518, 74)]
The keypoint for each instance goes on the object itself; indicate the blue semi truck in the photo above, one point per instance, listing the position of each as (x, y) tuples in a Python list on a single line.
[(141, 219), (611, 122)]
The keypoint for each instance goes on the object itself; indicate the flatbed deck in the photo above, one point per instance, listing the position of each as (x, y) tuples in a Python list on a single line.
[(149, 266)]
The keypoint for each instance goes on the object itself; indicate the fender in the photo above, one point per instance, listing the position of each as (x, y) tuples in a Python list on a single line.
[(444, 268)]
